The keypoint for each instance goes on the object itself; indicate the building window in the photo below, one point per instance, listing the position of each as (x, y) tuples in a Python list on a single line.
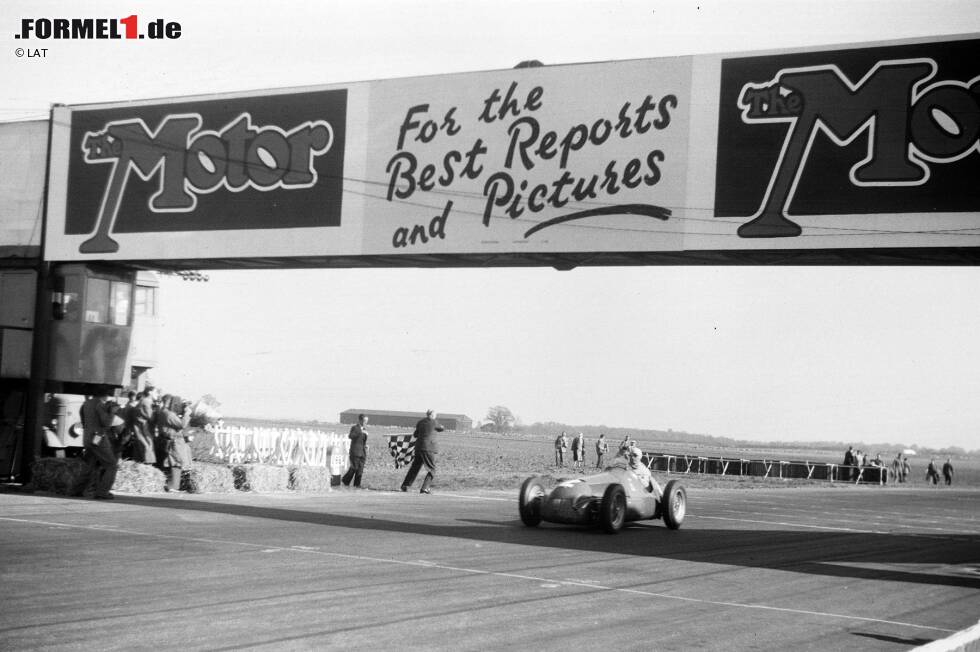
[(107, 302), (145, 302)]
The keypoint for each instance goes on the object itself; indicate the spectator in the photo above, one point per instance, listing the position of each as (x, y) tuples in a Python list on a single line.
[(578, 452), (932, 474), (99, 455), (358, 452), (176, 452), (117, 430), (144, 427), (561, 445), (601, 448), (849, 463), (128, 415), (906, 469), (897, 468), (948, 471), (426, 450)]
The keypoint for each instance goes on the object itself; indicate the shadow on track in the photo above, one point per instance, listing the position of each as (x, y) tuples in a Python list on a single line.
[(837, 554)]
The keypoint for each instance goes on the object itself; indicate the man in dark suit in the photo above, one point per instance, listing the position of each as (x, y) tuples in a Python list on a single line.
[(358, 452), (99, 454), (425, 452)]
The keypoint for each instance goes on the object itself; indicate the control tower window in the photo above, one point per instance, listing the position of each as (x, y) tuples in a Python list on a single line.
[(107, 302)]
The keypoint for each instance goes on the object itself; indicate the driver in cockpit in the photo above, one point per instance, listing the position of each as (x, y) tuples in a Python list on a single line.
[(634, 457)]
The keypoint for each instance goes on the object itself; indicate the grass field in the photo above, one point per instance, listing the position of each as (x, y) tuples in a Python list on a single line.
[(482, 460)]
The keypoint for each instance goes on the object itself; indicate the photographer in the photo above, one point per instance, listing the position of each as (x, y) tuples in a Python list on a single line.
[(170, 424)]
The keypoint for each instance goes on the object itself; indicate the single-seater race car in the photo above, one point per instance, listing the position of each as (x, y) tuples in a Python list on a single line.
[(608, 499)]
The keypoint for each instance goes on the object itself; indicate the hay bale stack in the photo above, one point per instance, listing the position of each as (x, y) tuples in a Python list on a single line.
[(207, 478), (310, 479), (60, 475), (260, 477), (137, 478)]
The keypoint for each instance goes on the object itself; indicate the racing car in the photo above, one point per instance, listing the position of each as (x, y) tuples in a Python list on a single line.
[(608, 499)]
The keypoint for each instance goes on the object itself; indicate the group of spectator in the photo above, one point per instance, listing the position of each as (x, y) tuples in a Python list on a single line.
[(900, 469), (578, 450), (148, 428), (578, 447), (932, 474)]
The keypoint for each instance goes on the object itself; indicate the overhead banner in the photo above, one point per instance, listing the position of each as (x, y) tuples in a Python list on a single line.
[(569, 159), (859, 147), (832, 149)]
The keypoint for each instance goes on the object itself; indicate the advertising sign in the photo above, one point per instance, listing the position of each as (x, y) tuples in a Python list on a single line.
[(199, 177), (565, 159), (847, 148), (861, 132)]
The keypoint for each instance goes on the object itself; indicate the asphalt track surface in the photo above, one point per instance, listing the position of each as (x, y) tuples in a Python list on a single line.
[(848, 568)]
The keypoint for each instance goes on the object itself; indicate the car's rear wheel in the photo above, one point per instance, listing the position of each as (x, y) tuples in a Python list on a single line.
[(529, 501), (674, 504), (612, 510)]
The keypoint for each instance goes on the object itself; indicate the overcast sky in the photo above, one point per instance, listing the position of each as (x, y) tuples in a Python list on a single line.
[(879, 354)]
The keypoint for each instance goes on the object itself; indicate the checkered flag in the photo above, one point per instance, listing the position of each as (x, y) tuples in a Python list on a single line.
[(402, 448)]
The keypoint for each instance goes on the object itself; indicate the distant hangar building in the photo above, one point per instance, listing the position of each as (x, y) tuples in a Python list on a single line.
[(458, 422)]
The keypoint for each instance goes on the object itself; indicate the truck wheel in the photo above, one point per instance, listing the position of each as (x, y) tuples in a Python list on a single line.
[(612, 510), (529, 501), (674, 504)]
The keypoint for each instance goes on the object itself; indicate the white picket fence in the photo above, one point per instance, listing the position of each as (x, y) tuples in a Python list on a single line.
[(279, 446)]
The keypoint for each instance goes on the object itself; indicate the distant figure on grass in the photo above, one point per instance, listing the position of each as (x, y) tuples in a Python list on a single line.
[(426, 450), (358, 452), (175, 451), (601, 448), (948, 471), (932, 474), (897, 468), (99, 455), (561, 445), (849, 461), (906, 469), (578, 452)]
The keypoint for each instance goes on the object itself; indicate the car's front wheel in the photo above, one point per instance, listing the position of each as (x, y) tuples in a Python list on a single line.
[(612, 510), (529, 501), (674, 504)]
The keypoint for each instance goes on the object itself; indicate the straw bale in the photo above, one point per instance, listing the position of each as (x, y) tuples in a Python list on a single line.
[(207, 478), (310, 479), (62, 475), (260, 477), (137, 478)]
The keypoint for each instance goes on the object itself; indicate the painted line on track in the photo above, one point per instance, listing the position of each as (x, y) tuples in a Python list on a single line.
[(475, 571), (473, 497), (835, 528)]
